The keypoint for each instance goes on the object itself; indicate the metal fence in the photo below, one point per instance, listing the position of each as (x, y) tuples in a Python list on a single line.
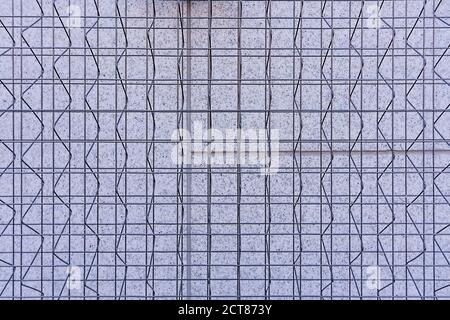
[(105, 104)]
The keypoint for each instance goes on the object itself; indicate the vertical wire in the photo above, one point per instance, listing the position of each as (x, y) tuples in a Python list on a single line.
[(328, 140), (293, 150), (14, 146), (331, 142), (433, 161), (21, 156), (209, 177), (424, 158), (361, 150), (9, 108), (433, 154), (353, 143), (116, 92), (350, 269), (121, 137), (297, 153), (238, 167), (180, 158), (321, 151), (405, 144), (180, 167), (31, 168), (377, 88), (53, 147), (268, 151), (41, 169), (416, 140), (150, 151), (188, 126), (381, 136), (125, 167), (91, 205), (41, 137), (69, 200), (393, 198), (85, 227), (63, 236), (443, 225), (97, 222), (13, 67)]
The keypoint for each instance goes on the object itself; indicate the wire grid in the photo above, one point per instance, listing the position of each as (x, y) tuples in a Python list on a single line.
[(93, 90)]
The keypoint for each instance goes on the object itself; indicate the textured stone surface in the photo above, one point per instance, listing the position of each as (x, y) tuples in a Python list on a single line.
[(86, 125)]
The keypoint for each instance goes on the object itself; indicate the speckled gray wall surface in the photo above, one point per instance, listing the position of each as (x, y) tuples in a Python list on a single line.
[(353, 102)]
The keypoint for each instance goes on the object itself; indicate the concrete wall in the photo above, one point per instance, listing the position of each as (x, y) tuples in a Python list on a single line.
[(92, 204)]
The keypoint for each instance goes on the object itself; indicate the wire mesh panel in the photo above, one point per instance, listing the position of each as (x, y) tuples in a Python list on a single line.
[(224, 149)]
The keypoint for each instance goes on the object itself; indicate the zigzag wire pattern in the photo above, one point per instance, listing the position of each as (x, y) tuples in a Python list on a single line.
[(268, 152), (383, 238), (353, 200), (91, 153), (411, 203), (180, 166), (27, 209), (8, 226), (62, 237), (326, 128), (440, 232), (150, 153), (122, 153), (85, 182), (297, 159)]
